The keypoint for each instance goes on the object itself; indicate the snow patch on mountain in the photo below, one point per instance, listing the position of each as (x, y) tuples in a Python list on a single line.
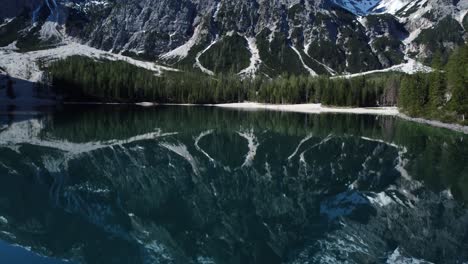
[(462, 15), (199, 65), (25, 67), (255, 60), (218, 8), (359, 7), (311, 72), (390, 6), (183, 51), (411, 67), (5, 22), (49, 29), (397, 258)]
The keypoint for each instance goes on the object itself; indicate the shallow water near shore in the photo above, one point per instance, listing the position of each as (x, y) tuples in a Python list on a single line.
[(174, 184)]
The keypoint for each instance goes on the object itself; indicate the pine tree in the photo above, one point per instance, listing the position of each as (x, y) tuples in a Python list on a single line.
[(457, 79), (437, 84)]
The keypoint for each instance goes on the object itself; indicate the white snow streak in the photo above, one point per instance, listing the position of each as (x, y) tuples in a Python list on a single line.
[(197, 59), (411, 66), (397, 258), (401, 162), (390, 6), (197, 146), (182, 151), (462, 15), (299, 146), (218, 8), (330, 70), (381, 199), (8, 20), (183, 51), (29, 132), (49, 29), (311, 72), (252, 144), (24, 65), (255, 60)]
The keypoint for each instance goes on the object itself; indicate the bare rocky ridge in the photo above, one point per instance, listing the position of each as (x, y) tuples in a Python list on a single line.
[(296, 36)]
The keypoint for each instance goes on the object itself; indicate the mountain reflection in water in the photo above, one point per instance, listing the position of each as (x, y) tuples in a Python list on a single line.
[(205, 185)]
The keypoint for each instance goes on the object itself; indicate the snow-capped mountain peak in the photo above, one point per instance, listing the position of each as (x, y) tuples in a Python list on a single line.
[(359, 7), (390, 6)]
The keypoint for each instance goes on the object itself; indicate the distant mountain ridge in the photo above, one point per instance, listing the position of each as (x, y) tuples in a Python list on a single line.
[(246, 36)]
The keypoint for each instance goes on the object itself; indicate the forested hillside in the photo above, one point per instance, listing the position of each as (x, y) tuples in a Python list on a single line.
[(442, 94), (80, 78)]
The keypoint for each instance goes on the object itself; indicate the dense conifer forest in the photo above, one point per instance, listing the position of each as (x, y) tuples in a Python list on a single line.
[(83, 79), (441, 94)]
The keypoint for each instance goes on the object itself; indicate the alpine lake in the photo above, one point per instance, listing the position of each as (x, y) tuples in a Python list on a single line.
[(178, 184)]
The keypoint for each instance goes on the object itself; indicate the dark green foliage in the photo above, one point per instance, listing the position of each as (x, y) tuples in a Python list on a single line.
[(390, 48), (187, 62), (457, 80), (414, 93), (327, 51), (424, 94), (437, 84), (293, 13), (447, 30), (360, 58), (230, 55), (313, 64), (79, 78), (278, 56)]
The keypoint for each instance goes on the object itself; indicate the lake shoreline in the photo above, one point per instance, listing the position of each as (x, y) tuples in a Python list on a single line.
[(435, 123), (305, 108), (298, 108)]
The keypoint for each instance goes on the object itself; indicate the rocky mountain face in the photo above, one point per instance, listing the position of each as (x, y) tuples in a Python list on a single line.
[(247, 36)]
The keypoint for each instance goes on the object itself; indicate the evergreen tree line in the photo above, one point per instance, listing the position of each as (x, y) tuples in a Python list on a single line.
[(441, 94), (83, 79)]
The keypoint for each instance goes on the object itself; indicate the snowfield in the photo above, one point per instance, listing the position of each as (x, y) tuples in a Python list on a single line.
[(183, 51), (390, 6), (410, 67), (25, 67), (255, 60)]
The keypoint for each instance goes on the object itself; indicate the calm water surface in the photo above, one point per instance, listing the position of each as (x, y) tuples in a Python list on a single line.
[(206, 185)]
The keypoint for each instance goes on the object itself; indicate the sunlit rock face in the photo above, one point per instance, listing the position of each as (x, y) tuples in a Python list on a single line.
[(200, 185), (300, 37)]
